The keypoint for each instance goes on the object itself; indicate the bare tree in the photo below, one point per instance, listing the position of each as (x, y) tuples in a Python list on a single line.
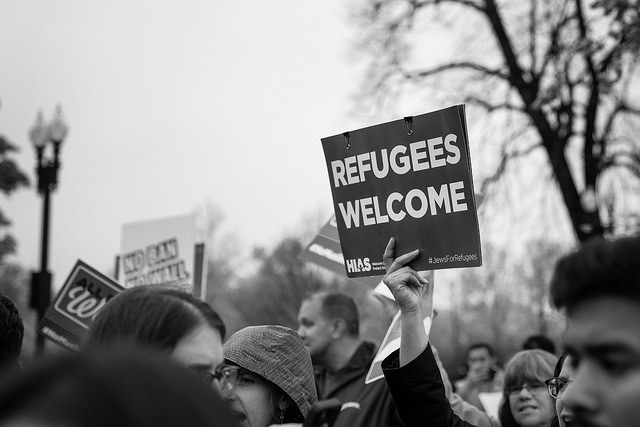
[(275, 291), (558, 73)]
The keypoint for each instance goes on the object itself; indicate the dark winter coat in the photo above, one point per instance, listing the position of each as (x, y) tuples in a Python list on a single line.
[(364, 405), (418, 391)]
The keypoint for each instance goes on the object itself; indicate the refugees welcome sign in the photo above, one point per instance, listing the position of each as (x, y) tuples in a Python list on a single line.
[(410, 179)]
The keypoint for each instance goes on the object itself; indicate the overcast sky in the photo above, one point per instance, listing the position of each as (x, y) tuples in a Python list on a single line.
[(172, 104)]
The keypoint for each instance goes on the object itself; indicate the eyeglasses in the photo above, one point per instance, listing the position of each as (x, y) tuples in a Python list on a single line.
[(531, 388), (206, 376), (227, 375), (557, 386)]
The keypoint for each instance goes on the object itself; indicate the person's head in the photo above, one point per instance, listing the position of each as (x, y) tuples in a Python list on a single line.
[(122, 388), (539, 341), (525, 400), (562, 377), (325, 318), (267, 377), (599, 288), (11, 334), (164, 319), (480, 358)]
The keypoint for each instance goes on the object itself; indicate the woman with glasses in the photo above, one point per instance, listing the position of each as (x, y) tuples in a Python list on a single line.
[(163, 319), (562, 376), (267, 377), (525, 400)]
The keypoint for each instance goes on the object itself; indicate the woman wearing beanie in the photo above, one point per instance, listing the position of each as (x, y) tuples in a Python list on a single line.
[(267, 377)]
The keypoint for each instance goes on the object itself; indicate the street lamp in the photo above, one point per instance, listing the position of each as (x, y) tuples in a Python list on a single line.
[(41, 134)]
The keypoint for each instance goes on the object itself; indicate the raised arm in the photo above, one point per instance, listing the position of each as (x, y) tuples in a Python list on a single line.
[(413, 376), (407, 287)]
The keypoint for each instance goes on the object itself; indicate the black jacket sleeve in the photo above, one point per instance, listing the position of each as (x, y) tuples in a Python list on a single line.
[(418, 392)]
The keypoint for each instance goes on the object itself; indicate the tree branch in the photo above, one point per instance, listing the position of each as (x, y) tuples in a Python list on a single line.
[(489, 107), (554, 48), (505, 158), (532, 34), (463, 65), (590, 164)]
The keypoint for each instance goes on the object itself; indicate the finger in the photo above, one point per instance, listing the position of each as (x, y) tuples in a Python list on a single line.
[(389, 253), (403, 260), (409, 277), (426, 274), (429, 290), (416, 280)]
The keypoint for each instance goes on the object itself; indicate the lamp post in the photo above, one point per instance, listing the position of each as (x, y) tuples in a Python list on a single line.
[(45, 135)]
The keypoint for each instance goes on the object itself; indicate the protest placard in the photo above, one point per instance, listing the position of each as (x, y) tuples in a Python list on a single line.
[(83, 294), (324, 250), (410, 179), (159, 252)]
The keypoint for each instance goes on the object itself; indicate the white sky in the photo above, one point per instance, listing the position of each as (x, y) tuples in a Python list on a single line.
[(173, 103)]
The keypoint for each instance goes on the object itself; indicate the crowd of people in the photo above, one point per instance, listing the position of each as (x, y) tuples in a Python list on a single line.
[(156, 356)]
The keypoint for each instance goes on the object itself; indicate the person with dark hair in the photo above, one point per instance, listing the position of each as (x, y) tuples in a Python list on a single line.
[(164, 319), (598, 286), (114, 388), (556, 386), (329, 327), (267, 376), (526, 401), (539, 341), (11, 334), (483, 374)]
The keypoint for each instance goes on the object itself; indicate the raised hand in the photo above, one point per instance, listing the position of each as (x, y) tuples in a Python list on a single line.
[(405, 283), (407, 287)]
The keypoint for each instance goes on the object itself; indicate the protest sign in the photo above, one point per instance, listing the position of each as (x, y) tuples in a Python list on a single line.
[(200, 272), (83, 294), (410, 179), (159, 252), (324, 250)]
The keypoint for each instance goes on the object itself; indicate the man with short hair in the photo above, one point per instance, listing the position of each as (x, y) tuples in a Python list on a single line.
[(329, 327), (599, 288), (483, 375), (11, 334)]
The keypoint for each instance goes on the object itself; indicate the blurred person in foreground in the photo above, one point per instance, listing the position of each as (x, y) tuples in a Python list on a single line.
[(598, 286), (11, 335), (328, 323), (483, 374), (164, 319), (121, 388), (562, 378), (267, 376)]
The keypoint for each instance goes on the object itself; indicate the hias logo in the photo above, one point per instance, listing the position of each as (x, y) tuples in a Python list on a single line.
[(358, 265)]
